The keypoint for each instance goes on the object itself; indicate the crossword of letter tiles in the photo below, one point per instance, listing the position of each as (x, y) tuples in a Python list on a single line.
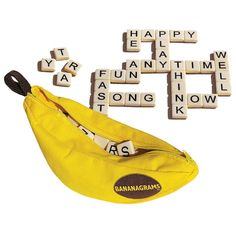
[(160, 62)]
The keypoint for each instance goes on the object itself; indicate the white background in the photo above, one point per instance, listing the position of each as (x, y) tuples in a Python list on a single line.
[(32, 200)]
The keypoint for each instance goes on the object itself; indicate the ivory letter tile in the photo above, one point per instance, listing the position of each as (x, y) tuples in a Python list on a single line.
[(148, 35), (63, 79), (192, 67), (222, 66), (176, 36), (162, 66), (117, 99), (47, 65), (190, 36), (112, 148), (72, 67), (61, 54), (133, 45), (177, 76), (133, 34), (101, 85), (86, 132), (178, 98), (223, 88), (209, 100), (132, 77), (220, 56), (103, 74), (161, 44), (178, 86), (147, 99), (177, 65), (207, 67), (179, 111), (118, 76), (126, 149), (132, 99), (101, 107), (133, 65), (195, 101), (162, 34), (162, 54), (222, 76), (101, 96), (101, 141), (148, 66)]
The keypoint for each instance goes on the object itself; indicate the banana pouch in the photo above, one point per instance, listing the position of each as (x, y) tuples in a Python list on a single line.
[(156, 170)]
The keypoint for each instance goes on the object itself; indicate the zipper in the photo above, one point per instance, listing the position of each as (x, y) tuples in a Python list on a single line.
[(97, 131)]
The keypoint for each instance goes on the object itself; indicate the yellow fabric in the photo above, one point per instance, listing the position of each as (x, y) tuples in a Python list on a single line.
[(88, 169)]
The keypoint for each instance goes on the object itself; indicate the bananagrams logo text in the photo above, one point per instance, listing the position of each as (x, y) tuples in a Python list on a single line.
[(137, 186)]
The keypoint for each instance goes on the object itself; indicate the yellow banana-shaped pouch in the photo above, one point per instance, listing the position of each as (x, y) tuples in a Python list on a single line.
[(156, 169)]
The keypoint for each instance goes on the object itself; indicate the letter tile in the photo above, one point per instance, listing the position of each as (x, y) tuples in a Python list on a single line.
[(133, 65), (209, 100), (178, 86), (117, 99), (63, 79), (179, 111), (148, 35), (161, 44), (101, 96), (162, 54), (101, 141), (148, 66), (207, 67), (125, 149), (47, 65), (195, 100), (61, 54), (221, 66), (101, 107), (103, 74), (162, 66), (132, 99), (178, 98), (223, 88), (192, 67), (162, 34), (190, 36), (177, 65), (220, 56), (132, 76), (118, 76), (133, 34), (176, 36), (72, 67), (133, 45), (222, 76), (112, 148), (101, 85), (147, 99), (178, 76), (87, 132)]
